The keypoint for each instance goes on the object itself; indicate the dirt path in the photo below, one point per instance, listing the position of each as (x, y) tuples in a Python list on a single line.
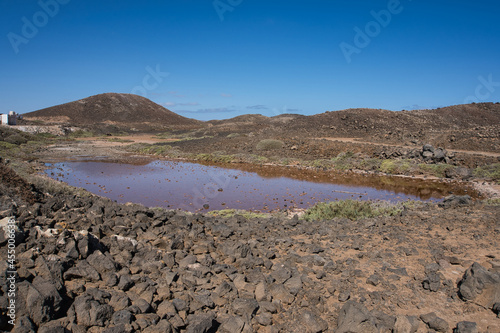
[(355, 140), (125, 140)]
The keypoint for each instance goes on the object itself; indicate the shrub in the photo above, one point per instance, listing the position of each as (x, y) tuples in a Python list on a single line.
[(395, 166), (493, 202), (371, 164), (81, 134), (16, 139), (491, 171), (269, 144), (351, 209), (6, 145), (438, 170)]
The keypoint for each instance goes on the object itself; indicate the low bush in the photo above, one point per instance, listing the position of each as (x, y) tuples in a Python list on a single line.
[(351, 209), (16, 139), (491, 171), (438, 170), (395, 166), (269, 144)]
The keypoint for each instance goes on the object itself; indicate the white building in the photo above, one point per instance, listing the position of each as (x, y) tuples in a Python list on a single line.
[(8, 119)]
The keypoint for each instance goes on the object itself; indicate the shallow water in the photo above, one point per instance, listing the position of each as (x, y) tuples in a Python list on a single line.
[(195, 187)]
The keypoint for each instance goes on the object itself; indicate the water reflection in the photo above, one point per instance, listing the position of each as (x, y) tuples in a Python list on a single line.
[(193, 187)]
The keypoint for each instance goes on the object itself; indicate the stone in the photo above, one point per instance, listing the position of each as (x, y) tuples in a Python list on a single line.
[(496, 308), (121, 317), (143, 305), (439, 155), (264, 319), (233, 324), (245, 307), (261, 293), (309, 322), (458, 172), (383, 322), (355, 318), (82, 271), (103, 263), (344, 296), (373, 279), (428, 147), (163, 326), (280, 293), (25, 325), (201, 323), (455, 201), (294, 284), (42, 299), (432, 282), (402, 325), (480, 285), (434, 322), (52, 329), (180, 304), (89, 312), (466, 327), (119, 301), (119, 329), (125, 282), (282, 274)]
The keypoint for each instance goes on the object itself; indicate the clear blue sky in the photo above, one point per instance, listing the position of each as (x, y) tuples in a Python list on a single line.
[(251, 56)]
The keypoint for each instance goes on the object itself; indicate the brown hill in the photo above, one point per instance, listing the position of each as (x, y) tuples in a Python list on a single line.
[(112, 109), (470, 126)]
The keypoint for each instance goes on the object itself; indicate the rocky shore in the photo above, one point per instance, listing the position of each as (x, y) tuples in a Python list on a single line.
[(88, 264)]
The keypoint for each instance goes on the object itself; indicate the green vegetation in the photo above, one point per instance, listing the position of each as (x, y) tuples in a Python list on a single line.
[(491, 171), (119, 140), (164, 135), (233, 135), (150, 149), (492, 202), (6, 145), (370, 164), (233, 212), (214, 158), (269, 144), (395, 166), (438, 170), (352, 209)]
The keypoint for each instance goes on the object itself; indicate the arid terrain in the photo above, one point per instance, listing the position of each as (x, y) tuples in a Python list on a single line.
[(87, 264)]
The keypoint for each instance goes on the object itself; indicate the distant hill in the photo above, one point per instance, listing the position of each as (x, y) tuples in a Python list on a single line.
[(112, 109), (474, 126)]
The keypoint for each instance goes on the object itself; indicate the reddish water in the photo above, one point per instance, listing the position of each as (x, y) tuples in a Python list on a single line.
[(194, 187)]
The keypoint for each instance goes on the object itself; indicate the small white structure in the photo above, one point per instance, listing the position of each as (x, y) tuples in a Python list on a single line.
[(8, 119)]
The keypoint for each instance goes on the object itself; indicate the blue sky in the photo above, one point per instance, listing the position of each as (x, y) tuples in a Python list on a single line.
[(208, 59)]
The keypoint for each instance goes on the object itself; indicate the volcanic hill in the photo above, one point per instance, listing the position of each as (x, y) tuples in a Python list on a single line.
[(124, 111)]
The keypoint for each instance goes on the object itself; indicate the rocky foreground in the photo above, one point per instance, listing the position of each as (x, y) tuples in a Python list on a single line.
[(87, 264)]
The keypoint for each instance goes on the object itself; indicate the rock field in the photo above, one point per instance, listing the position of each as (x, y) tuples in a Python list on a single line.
[(87, 264)]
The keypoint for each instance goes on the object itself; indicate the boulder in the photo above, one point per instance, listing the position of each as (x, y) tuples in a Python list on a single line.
[(246, 307), (201, 323), (40, 300), (466, 327), (355, 318), (480, 286), (89, 312), (453, 200), (308, 322), (435, 323), (233, 324)]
